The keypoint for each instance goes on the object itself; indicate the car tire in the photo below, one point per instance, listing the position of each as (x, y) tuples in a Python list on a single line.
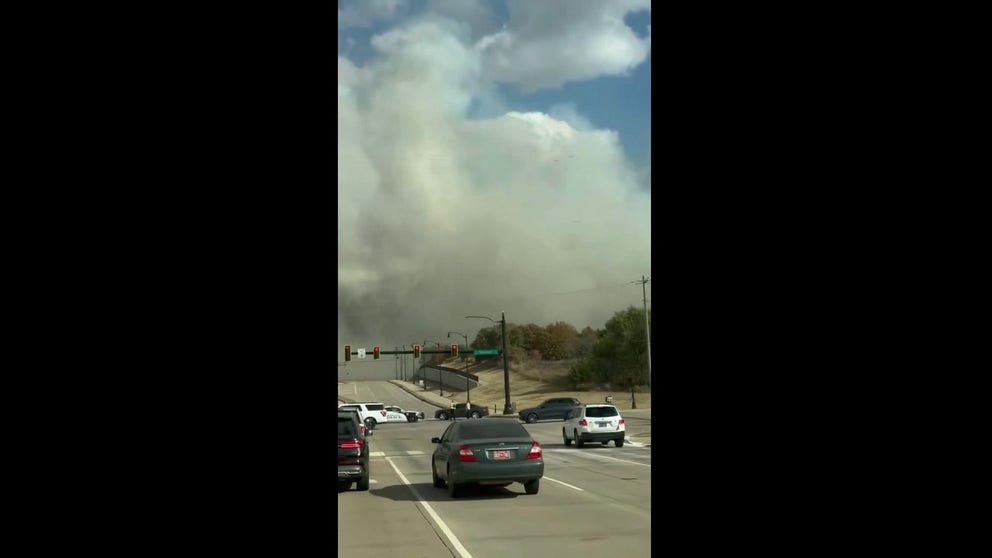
[(363, 483), (531, 418), (454, 490), (578, 441), (476, 414), (531, 487), (442, 416), (370, 423), (564, 438), (618, 442), (438, 481)]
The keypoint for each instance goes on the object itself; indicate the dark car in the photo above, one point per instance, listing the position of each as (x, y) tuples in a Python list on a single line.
[(462, 410), (486, 452), (552, 409), (365, 430), (353, 452)]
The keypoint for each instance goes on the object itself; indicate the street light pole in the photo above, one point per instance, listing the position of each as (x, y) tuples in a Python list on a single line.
[(507, 407), (440, 373), (468, 387)]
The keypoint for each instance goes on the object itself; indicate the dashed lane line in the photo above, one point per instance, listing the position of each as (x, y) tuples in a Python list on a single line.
[(563, 483), (395, 454)]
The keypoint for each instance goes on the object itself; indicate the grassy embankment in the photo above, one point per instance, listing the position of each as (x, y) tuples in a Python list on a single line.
[(531, 382)]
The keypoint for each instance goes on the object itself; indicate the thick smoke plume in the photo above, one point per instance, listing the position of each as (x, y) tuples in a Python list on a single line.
[(441, 215)]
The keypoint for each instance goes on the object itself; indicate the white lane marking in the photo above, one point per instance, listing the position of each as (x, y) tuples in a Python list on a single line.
[(373, 481), (457, 544), (564, 483), (635, 444), (590, 455), (409, 453)]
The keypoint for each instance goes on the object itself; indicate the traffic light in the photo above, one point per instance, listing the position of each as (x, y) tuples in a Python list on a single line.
[(454, 350), (416, 351), (347, 353), (375, 352)]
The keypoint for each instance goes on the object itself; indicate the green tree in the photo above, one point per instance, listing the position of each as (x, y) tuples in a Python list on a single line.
[(487, 338), (619, 355)]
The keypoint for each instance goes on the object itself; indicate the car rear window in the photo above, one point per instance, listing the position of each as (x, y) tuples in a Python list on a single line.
[(374, 407), (346, 426), (601, 412), (491, 429)]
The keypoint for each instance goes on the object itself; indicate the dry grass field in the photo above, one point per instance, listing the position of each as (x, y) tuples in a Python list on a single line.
[(532, 382)]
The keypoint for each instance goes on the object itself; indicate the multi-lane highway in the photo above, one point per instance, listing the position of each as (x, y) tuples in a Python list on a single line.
[(593, 501)]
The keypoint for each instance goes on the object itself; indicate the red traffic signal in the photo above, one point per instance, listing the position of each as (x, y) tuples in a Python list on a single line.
[(416, 351), (454, 350), (375, 352), (347, 353)]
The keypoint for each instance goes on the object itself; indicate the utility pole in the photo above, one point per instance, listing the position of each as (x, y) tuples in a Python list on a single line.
[(647, 327)]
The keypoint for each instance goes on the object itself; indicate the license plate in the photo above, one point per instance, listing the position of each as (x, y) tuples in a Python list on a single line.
[(501, 454), (603, 423)]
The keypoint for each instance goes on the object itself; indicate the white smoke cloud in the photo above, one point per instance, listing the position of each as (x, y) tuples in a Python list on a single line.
[(441, 216), (550, 42)]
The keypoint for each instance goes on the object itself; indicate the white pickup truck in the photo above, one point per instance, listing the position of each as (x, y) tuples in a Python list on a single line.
[(373, 413)]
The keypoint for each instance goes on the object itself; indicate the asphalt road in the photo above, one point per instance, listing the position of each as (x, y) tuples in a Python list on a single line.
[(593, 502)]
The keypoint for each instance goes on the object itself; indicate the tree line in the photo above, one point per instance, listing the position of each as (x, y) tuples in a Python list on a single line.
[(615, 354)]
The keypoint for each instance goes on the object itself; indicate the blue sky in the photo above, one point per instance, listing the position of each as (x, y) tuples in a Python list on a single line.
[(616, 102)]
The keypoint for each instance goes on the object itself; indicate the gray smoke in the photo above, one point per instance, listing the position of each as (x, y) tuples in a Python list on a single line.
[(441, 216)]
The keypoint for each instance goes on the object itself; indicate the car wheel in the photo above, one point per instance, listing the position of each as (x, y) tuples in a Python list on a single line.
[(443, 416), (438, 482), (618, 442), (564, 438), (476, 414), (363, 483), (453, 489), (370, 423), (531, 487), (532, 418), (578, 441)]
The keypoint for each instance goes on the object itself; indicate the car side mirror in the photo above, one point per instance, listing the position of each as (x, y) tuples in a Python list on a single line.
[(435, 440)]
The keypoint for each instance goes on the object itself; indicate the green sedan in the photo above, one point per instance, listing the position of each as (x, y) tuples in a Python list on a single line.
[(486, 452)]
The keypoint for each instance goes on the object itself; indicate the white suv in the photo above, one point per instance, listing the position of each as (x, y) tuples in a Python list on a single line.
[(593, 423)]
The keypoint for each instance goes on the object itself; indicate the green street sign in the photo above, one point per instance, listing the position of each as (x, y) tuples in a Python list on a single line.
[(485, 352)]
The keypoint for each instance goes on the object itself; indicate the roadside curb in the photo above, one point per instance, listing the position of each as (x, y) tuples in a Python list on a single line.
[(435, 400)]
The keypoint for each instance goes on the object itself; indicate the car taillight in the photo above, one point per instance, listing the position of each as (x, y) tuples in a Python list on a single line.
[(584, 422), (362, 426), (621, 421), (354, 444), (535, 451), (465, 454)]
